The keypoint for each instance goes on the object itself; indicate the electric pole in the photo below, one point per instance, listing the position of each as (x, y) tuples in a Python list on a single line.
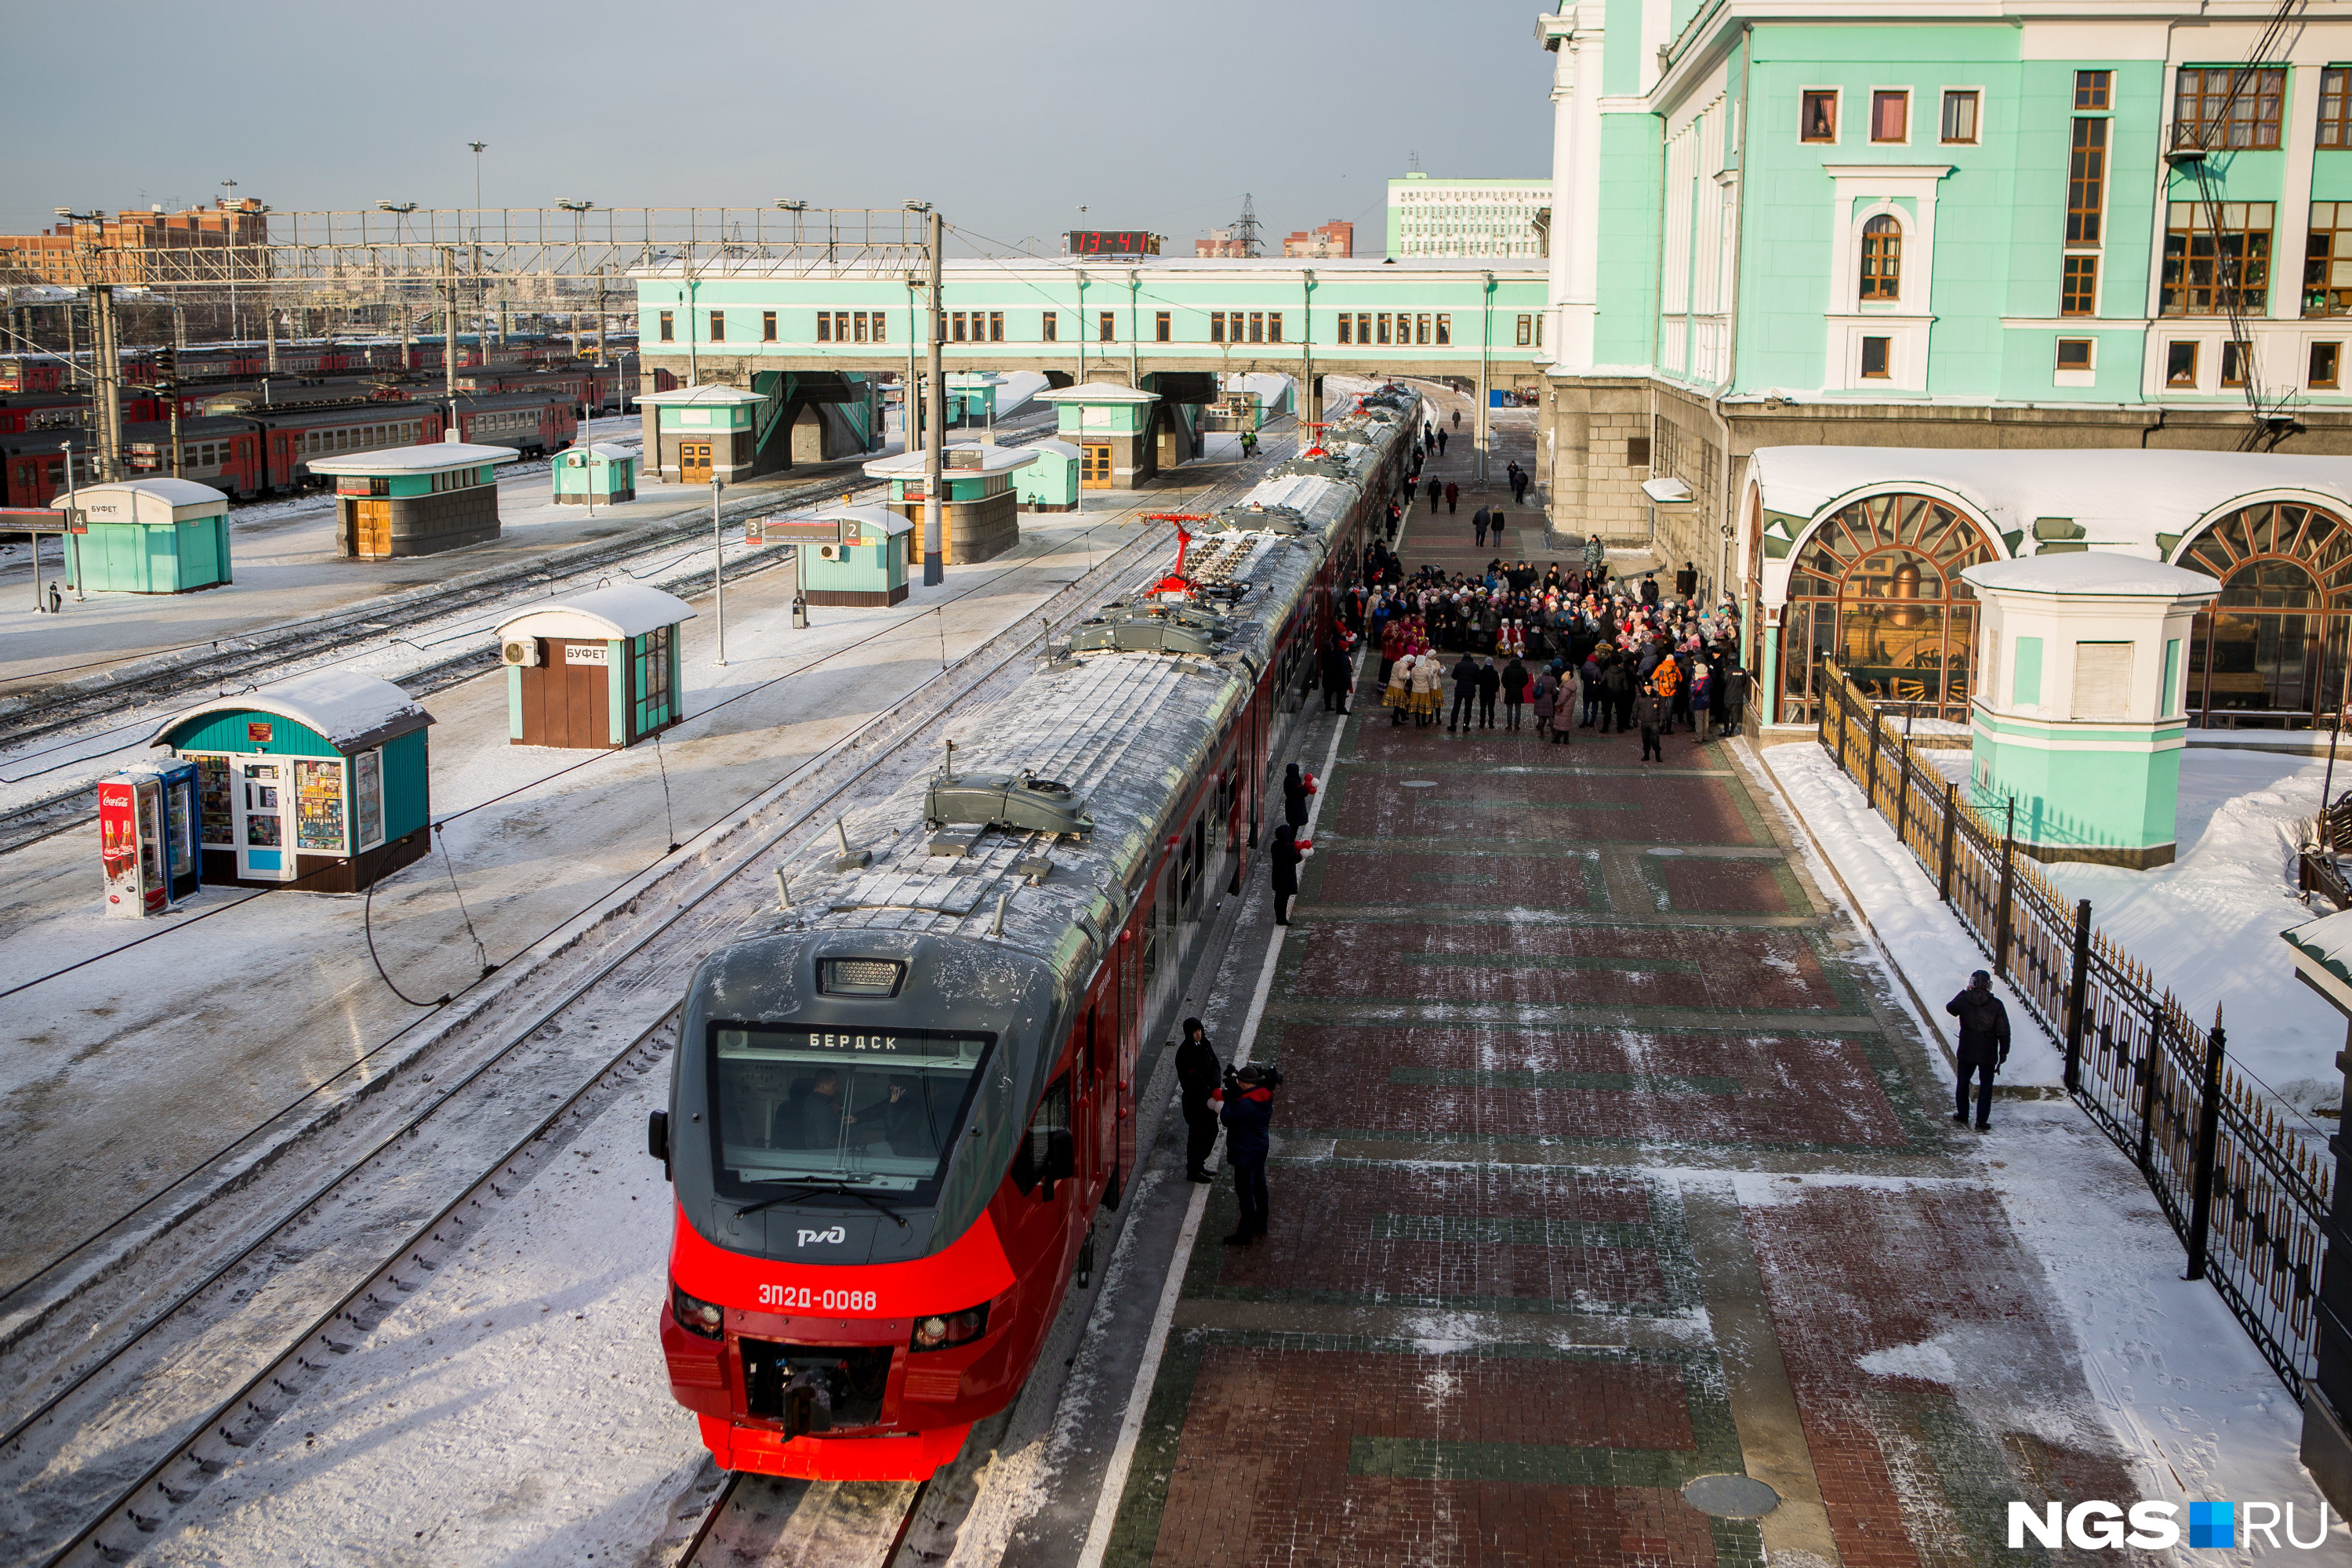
[(935, 413)]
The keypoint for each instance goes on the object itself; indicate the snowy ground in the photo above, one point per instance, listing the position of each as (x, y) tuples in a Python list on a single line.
[(2206, 925), (287, 568), (2178, 1379)]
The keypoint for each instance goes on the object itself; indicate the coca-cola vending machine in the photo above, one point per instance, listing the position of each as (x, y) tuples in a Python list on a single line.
[(147, 827)]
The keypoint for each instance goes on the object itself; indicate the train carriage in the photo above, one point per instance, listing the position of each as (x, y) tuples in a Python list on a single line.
[(900, 1101)]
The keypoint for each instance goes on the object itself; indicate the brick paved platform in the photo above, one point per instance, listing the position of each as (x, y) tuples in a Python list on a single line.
[(1599, 1166)]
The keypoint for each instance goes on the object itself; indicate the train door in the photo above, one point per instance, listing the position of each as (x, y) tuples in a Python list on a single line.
[(1041, 1217), (1104, 1084), (1228, 791), (264, 794), (693, 462)]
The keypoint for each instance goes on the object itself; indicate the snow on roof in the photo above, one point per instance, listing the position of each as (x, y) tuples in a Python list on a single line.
[(2121, 497), (713, 397), (1667, 492), (914, 464), (176, 492), (2323, 955), (613, 454), (630, 610), (1096, 391), (2105, 573), (1058, 449), (433, 458), (354, 711)]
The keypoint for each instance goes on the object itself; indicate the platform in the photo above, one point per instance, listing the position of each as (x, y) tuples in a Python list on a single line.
[(1603, 1166)]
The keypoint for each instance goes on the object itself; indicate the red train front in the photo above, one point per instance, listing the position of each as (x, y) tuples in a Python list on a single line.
[(885, 1150)]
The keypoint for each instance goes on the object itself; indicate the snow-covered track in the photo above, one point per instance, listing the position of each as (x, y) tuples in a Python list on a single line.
[(760, 1521), (126, 1361)]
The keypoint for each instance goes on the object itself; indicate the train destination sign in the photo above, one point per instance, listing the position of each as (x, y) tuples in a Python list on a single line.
[(1111, 242), (781, 1040)]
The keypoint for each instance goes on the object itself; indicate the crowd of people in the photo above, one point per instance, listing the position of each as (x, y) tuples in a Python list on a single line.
[(1541, 651)]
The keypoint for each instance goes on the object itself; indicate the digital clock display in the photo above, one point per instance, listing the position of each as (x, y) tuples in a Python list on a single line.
[(1112, 242)]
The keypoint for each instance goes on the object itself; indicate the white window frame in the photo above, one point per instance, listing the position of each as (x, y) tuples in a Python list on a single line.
[(1983, 98), (1837, 110), (1910, 117)]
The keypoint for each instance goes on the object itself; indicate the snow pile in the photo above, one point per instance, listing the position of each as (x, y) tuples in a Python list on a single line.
[(343, 705), (2206, 925), (1897, 900)]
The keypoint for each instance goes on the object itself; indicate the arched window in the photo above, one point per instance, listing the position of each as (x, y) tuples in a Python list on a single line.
[(2269, 652), (1878, 589), (1882, 258)]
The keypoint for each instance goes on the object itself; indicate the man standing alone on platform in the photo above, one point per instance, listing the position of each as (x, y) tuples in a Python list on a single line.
[(1197, 1072), (1248, 1116), (1984, 1045)]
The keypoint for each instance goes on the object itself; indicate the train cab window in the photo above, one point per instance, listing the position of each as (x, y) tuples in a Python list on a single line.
[(1052, 1116), (878, 1108)]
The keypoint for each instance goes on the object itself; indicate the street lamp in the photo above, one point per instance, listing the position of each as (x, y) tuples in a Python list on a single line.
[(478, 147)]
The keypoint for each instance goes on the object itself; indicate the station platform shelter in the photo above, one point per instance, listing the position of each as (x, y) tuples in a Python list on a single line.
[(758, 422), (850, 554), (980, 515), (150, 536), (415, 501), (1051, 483), (318, 780), (598, 670), (597, 472), (1124, 435)]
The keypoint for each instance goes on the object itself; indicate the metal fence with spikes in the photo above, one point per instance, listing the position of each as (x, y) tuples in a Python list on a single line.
[(2244, 1190)]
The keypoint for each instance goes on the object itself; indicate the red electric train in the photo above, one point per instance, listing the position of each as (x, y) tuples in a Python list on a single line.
[(899, 1102)]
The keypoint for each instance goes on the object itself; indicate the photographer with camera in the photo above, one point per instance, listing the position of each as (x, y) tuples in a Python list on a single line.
[(1248, 1115)]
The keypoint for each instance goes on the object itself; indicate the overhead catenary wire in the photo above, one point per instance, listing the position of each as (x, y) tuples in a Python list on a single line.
[(438, 824)]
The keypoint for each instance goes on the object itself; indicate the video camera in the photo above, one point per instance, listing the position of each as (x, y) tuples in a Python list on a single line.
[(1259, 1078)]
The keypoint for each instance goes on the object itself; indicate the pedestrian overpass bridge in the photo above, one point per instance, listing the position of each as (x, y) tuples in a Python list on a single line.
[(801, 335)]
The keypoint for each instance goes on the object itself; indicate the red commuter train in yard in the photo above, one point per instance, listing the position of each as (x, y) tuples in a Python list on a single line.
[(900, 1101)]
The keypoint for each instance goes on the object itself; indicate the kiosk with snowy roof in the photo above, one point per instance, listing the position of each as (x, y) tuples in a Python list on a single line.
[(150, 536), (2080, 716), (978, 514), (848, 554), (1051, 483), (318, 780), (599, 670), (415, 501), (598, 472)]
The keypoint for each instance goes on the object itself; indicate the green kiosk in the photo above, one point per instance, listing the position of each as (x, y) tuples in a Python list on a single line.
[(150, 536)]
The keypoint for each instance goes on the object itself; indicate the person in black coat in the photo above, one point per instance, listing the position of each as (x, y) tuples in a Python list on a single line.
[(1294, 798), (1466, 691), (1336, 676), (1984, 1045), (1285, 857), (1248, 1116), (1490, 682), (1197, 1072)]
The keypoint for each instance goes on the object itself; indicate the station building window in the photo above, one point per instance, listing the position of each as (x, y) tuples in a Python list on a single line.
[(2218, 107), (1161, 328), (1049, 327), (2093, 89), (1817, 117), (2211, 273), (2180, 365), (1890, 116), (1882, 258), (1526, 330), (2075, 353), (2233, 365), (1960, 106), (2335, 106), (667, 328), (1106, 327), (2078, 294), (2326, 361), (718, 326), (1874, 358), (767, 326), (1877, 588), (2328, 261)]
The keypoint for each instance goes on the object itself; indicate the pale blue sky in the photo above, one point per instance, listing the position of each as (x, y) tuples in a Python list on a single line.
[(1008, 115)]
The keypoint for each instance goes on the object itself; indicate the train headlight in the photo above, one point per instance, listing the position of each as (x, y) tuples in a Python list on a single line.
[(949, 1330), (697, 1316)]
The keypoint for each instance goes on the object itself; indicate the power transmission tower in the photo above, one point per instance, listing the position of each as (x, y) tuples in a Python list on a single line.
[(1245, 227)]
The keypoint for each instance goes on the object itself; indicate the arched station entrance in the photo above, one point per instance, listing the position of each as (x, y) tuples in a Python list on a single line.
[(1876, 588), (2269, 652)]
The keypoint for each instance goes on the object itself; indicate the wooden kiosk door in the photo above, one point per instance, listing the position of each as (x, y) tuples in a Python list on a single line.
[(1094, 474), (693, 462), (371, 528)]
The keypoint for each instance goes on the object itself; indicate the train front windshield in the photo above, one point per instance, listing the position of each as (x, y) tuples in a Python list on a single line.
[(875, 1110)]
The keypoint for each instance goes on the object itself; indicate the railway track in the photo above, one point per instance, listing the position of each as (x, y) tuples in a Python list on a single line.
[(277, 651), (116, 1417)]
